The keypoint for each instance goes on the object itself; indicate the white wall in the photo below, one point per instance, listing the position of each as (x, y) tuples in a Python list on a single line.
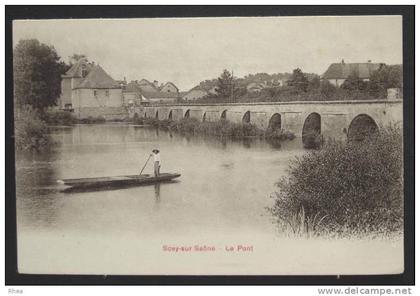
[(97, 98)]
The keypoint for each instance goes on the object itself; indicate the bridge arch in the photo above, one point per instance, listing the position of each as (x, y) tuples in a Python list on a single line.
[(361, 128), (311, 131), (247, 117), (170, 115), (187, 114), (223, 116), (275, 122), (204, 116)]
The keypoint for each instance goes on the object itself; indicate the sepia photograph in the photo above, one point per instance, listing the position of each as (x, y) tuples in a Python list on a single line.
[(205, 146)]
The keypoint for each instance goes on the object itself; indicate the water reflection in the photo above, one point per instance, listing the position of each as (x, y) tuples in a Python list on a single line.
[(157, 196), (223, 183)]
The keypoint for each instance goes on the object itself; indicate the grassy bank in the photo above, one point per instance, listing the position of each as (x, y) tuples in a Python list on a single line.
[(60, 117), (221, 128), (353, 188)]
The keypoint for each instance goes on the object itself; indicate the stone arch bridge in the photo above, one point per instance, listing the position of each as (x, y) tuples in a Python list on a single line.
[(331, 119)]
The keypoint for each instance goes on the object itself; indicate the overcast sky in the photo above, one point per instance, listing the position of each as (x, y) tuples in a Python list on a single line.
[(187, 51)]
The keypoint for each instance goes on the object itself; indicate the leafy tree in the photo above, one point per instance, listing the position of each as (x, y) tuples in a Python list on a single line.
[(299, 81), (37, 74), (383, 78), (314, 82), (327, 89), (226, 85), (354, 83)]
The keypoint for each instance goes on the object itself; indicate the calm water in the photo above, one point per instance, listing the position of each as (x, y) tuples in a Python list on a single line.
[(219, 201)]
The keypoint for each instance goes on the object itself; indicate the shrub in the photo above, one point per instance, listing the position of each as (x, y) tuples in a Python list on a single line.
[(92, 120), (31, 132), (58, 117), (279, 134), (356, 186)]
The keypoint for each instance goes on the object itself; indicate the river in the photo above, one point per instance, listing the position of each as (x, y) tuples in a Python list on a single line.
[(212, 220)]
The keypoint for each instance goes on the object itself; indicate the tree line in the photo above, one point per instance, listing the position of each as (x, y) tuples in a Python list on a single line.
[(300, 86)]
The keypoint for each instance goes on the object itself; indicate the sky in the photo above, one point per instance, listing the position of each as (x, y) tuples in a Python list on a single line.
[(189, 50)]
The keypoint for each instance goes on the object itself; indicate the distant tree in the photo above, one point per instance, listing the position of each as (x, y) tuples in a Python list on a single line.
[(299, 81), (226, 86), (75, 58), (314, 82), (327, 90), (37, 74), (354, 83), (383, 78)]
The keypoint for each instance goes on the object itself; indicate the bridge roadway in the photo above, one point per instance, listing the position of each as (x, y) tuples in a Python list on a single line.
[(334, 119)]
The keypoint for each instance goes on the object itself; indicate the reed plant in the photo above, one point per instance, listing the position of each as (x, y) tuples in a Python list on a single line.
[(356, 186)]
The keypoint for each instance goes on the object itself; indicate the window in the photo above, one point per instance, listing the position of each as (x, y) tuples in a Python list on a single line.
[(107, 93), (94, 93)]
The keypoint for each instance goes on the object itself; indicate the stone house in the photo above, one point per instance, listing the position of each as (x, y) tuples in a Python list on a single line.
[(132, 94), (148, 86), (337, 73), (76, 74), (88, 90), (255, 87), (169, 87), (194, 94), (159, 97)]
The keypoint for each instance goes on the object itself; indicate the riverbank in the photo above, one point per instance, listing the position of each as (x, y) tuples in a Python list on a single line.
[(352, 188), (221, 128)]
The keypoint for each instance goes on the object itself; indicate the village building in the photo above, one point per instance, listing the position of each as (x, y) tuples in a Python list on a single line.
[(88, 91), (255, 87), (159, 97), (70, 80), (195, 94), (212, 90), (132, 94), (96, 95), (337, 73), (148, 86), (145, 92), (169, 87)]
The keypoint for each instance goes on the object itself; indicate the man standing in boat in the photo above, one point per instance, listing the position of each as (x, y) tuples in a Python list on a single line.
[(156, 158)]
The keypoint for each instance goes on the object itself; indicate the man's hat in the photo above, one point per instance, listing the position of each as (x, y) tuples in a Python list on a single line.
[(155, 151)]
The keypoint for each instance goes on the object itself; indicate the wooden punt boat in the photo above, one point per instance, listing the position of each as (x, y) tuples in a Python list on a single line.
[(118, 181)]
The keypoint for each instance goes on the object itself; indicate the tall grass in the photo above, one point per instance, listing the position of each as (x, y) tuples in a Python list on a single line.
[(221, 128), (356, 186), (58, 117)]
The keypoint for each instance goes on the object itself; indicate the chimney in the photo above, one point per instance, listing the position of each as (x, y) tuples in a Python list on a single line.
[(342, 61), (369, 61)]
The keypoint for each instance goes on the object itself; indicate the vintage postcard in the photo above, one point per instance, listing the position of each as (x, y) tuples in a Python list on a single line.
[(209, 145)]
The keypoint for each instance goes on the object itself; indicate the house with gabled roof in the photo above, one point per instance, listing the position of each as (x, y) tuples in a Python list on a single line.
[(195, 93), (132, 94), (159, 97), (337, 73), (148, 86), (169, 87), (89, 91), (71, 79)]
